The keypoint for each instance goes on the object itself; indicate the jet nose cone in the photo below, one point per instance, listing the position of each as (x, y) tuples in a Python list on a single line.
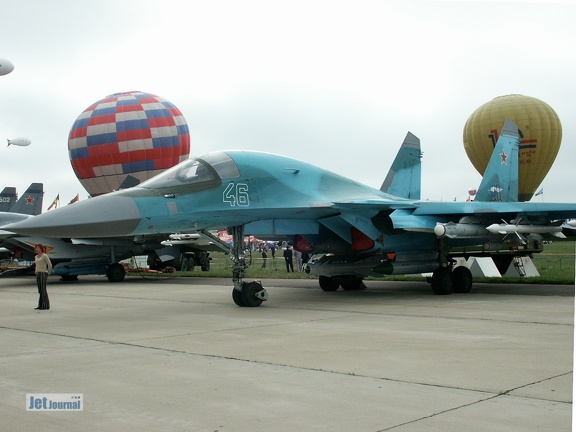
[(104, 216)]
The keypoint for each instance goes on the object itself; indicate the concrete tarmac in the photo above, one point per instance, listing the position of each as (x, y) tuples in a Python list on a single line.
[(178, 355)]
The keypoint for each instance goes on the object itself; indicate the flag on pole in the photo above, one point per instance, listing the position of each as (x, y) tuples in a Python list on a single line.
[(55, 202), (540, 192), (76, 198)]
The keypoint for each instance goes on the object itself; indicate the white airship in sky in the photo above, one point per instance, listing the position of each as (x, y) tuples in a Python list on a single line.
[(22, 142), (6, 66)]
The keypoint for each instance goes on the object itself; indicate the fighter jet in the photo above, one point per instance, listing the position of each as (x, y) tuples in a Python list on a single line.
[(13, 209), (80, 256), (73, 257), (359, 230)]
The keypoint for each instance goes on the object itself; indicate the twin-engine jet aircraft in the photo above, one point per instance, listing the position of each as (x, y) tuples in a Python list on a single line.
[(359, 230)]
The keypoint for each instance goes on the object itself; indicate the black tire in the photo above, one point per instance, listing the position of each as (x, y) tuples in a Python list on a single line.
[(352, 283), (248, 294), (191, 263), (328, 283), (206, 266), (237, 297), (184, 264), (462, 279), (115, 272), (442, 281)]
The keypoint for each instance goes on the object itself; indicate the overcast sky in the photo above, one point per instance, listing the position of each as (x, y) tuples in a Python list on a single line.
[(335, 83)]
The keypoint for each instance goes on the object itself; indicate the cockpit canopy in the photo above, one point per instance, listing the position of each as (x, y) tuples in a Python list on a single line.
[(206, 171)]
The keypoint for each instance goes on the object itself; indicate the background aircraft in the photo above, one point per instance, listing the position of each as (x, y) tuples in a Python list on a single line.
[(30, 203), (73, 257), (8, 197), (13, 209), (361, 230)]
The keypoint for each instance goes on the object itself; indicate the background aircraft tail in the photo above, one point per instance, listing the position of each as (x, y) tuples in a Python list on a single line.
[(7, 198), (500, 180), (30, 202), (405, 174)]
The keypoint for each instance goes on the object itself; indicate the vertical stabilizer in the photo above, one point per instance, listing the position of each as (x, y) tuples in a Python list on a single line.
[(404, 177), (500, 181), (30, 202), (7, 198)]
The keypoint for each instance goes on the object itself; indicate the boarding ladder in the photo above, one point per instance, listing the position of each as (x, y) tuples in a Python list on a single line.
[(518, 261)]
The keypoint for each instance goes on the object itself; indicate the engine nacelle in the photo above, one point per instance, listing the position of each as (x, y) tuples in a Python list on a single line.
[(373, 265)]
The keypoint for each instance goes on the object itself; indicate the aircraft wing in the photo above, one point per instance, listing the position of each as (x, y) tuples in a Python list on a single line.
[(6, 234), (7, 218), (551, 211)]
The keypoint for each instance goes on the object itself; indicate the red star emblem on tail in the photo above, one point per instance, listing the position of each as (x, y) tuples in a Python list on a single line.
[(29, 200), (504, 157)]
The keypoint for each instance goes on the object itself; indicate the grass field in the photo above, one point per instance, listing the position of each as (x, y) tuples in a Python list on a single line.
[(555, 265)]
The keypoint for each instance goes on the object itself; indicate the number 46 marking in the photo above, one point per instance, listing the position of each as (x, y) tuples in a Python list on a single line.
[(236, 195)]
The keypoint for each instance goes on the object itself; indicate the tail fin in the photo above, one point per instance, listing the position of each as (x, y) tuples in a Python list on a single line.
[(500, 180), (405, 174), (30, 202), (7, 198)]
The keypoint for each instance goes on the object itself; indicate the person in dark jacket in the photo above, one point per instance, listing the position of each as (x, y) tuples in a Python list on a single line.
[(288, 259)]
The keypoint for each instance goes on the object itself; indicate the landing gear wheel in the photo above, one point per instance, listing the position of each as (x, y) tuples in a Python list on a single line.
[(191, 263), (252, 295), (352, 283), (442, 281), (188, 264), (245, 294), (328, 283), (115, 272), (184, 265), (462, 279), (237, 297), (250, 292), (206, 266)]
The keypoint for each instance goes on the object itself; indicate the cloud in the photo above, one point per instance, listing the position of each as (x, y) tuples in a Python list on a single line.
[(334, 83)]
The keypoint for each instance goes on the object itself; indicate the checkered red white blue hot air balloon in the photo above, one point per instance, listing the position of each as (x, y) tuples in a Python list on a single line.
[(126, 138)]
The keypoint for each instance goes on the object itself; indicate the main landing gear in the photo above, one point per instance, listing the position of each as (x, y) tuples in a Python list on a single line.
[(348, 283), (244, 294), (445, 279)]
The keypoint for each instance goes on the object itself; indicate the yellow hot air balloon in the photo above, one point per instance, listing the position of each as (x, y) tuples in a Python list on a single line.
[(540, 137)]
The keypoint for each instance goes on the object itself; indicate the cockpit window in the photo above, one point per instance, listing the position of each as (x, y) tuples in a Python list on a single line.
[(222, 164), (206, 170)]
